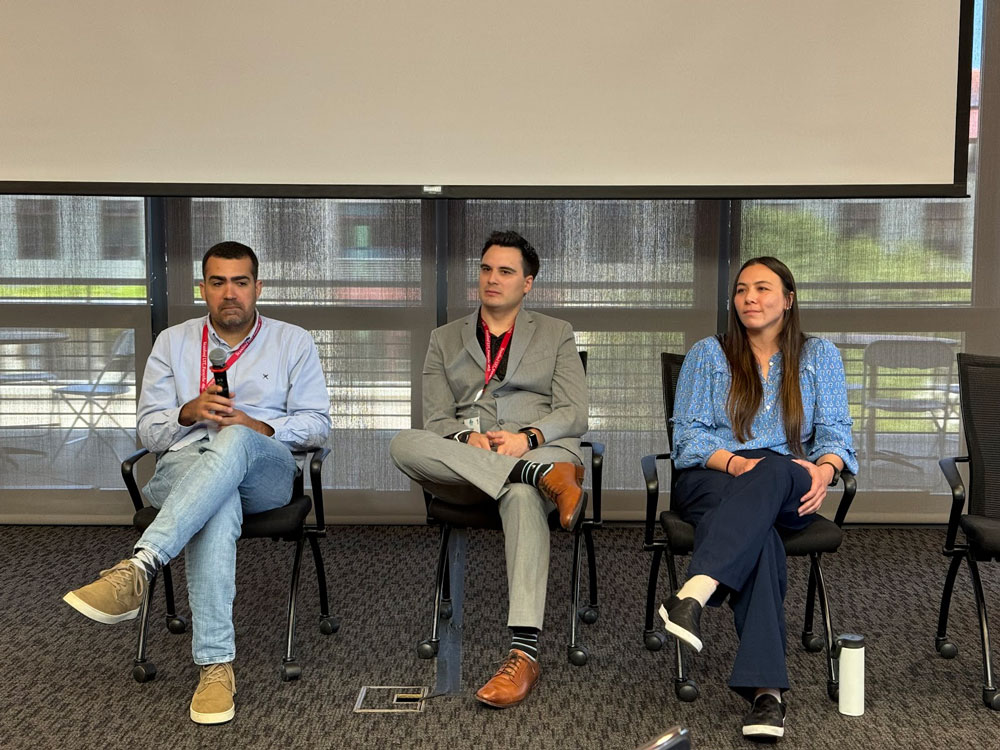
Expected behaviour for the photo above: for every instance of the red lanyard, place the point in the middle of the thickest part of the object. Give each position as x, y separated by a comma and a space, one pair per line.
491, 363
206, 372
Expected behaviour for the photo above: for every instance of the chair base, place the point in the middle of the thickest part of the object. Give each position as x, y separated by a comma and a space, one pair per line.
945, 647
444, 607
578, 655
289, 671
654, 640
684, 687
686, 690
144, 670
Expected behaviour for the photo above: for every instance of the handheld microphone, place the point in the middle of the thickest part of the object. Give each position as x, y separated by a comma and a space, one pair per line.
218, 359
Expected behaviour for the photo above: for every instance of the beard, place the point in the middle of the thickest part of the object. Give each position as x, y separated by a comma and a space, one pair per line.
232, 318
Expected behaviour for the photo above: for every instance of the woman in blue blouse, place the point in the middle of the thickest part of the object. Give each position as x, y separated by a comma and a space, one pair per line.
761, 428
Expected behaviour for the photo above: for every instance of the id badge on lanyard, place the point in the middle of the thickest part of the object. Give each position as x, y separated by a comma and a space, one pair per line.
492, 363
207, 378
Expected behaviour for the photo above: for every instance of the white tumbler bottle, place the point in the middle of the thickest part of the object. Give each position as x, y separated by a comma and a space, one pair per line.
852, 674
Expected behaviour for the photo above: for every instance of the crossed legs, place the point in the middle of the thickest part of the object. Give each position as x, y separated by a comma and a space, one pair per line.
202, 491
737, 545
463, 474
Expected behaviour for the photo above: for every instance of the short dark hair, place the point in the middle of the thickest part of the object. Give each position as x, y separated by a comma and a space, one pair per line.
230, 251
509, 238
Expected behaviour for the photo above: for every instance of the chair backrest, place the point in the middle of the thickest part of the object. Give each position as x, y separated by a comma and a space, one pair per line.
906, 354
121, 358
912, 372
670, 372
979, 384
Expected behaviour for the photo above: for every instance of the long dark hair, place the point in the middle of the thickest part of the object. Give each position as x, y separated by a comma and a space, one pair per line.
746, 392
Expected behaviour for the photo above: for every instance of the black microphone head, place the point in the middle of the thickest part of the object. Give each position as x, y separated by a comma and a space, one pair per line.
217, 357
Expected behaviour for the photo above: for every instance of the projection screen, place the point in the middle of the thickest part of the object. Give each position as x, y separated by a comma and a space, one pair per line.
468, 98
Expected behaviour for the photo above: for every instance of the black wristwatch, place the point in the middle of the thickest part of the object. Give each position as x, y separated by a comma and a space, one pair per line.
532, 437
836, 472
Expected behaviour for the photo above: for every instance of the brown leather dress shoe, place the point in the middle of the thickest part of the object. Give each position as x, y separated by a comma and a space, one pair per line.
562, 485
512, 682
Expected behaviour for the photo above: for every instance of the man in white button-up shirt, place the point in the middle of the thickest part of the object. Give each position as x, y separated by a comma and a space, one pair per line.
218, 458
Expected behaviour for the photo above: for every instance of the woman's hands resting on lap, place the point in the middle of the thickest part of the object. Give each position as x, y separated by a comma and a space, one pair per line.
820, 477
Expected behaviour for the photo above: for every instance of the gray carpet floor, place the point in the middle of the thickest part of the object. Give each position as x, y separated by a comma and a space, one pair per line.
67, 684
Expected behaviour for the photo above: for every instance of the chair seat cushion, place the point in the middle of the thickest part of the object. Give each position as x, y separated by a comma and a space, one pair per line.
484, 515
822, 535
284, 522
680, 533
983, 535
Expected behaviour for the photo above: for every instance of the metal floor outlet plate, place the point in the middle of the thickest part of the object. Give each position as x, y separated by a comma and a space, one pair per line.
390, 699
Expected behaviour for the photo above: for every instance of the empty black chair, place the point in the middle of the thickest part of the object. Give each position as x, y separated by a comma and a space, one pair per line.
486, 515
979, 383
676, 537
287, 523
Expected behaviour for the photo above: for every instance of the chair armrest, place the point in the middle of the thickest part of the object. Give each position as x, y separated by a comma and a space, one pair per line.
596, 476
128, 474
317, 457
949, 467
850, 483
649, 474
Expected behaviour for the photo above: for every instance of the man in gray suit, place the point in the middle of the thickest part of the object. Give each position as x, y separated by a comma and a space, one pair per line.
505, 404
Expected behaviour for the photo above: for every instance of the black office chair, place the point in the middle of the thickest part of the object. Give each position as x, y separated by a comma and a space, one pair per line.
979, 381
486, 515
287, 523
821, 536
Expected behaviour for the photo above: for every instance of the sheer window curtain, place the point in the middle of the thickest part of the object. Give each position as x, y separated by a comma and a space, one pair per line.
75, 320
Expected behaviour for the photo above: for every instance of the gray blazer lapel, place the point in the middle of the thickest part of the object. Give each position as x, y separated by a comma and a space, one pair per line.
471, 344
524, 330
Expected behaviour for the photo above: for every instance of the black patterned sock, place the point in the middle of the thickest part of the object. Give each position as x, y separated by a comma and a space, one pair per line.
526, 640
528, 472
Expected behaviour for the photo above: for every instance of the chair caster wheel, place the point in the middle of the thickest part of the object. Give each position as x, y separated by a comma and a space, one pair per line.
290, 671
991, 699
588, 614
654, 639
176, 624
946, 648
578, 655
144, 671
446, 610
812, 642
328, 625
427, 649
686, 690
833, 690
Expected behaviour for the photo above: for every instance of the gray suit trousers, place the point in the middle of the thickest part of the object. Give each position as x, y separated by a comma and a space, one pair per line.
461, 473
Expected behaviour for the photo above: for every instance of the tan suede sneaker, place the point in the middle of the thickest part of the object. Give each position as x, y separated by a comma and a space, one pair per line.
213, 700
115, 596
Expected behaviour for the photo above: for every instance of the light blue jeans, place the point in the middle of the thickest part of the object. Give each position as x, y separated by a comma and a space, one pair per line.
202, 491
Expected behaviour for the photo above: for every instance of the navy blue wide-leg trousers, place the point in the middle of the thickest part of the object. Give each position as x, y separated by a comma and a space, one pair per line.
737, 544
